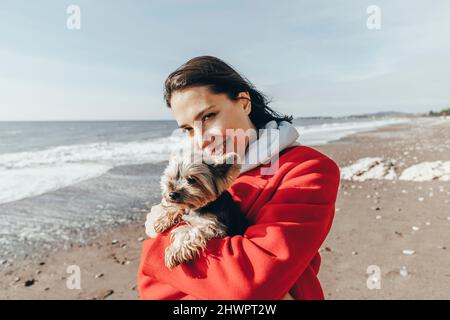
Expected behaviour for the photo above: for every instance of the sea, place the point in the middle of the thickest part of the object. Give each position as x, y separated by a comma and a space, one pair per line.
62, 183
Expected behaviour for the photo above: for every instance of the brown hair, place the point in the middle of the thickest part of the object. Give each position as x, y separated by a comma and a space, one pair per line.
220, 77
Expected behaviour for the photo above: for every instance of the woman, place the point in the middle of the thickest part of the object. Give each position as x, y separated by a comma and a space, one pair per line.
290, 209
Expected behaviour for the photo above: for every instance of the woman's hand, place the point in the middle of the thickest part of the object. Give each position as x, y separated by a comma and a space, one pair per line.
155, 212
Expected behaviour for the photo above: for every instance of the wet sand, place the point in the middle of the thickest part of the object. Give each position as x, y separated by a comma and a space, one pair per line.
375, 221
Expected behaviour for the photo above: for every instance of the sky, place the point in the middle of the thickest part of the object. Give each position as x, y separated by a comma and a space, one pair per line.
313, 58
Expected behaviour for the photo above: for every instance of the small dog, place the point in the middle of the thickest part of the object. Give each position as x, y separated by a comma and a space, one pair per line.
194, 189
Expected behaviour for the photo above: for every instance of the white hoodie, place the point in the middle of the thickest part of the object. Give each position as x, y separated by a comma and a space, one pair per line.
273, 139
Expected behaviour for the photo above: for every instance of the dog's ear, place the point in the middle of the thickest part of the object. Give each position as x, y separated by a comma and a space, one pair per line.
221, 165
225, 169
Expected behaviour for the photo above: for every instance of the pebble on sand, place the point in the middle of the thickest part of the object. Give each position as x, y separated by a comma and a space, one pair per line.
105, 294
29, 282
403, 271
408, 252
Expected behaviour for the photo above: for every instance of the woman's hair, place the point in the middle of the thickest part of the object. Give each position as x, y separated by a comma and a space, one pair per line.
220, 77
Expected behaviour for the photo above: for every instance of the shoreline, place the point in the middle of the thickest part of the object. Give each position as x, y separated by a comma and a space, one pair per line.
30, 221
109, 267
120, 196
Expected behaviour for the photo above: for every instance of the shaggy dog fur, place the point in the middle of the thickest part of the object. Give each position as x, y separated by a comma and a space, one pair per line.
194, 190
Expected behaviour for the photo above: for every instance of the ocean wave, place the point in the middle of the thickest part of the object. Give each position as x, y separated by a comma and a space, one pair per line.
29, 182
114, 154
28, 174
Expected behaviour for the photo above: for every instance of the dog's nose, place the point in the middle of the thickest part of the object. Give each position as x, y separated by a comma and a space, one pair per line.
174, 195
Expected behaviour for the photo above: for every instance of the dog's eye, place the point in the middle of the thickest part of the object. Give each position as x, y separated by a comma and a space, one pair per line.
190, 180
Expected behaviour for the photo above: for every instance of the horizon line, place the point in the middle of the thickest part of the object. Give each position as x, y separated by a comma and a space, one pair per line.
171, 119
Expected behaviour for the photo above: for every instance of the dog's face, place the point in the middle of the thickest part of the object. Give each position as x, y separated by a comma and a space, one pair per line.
192, 180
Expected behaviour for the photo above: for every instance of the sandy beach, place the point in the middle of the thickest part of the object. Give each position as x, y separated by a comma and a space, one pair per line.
399, 226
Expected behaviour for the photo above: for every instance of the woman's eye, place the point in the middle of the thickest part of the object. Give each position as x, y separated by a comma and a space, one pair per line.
187, 130
190, 180
208, 116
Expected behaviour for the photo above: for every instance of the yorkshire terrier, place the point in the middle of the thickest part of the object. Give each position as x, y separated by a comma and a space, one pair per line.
194, 190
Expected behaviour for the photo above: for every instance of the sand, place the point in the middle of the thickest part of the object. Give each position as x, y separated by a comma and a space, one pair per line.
399, 228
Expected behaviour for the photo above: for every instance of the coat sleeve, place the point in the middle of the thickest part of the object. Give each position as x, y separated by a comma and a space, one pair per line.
267, 260
152, 289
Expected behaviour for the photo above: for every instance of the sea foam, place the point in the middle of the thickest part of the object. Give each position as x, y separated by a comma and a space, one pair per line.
27, 174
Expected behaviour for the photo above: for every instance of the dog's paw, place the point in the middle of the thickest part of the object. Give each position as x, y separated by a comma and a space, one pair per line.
186, 244
218, 231
175, 256
161, 224
172, 258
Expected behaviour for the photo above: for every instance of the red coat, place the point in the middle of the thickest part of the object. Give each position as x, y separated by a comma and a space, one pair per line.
290, 213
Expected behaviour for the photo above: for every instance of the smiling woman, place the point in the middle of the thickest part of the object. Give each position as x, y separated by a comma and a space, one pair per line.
290, 210
208, 98
221, 124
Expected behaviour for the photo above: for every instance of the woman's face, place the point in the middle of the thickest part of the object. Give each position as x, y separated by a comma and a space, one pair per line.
205, 117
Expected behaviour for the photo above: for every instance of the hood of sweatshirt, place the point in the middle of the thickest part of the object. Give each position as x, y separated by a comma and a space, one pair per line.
272, 139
